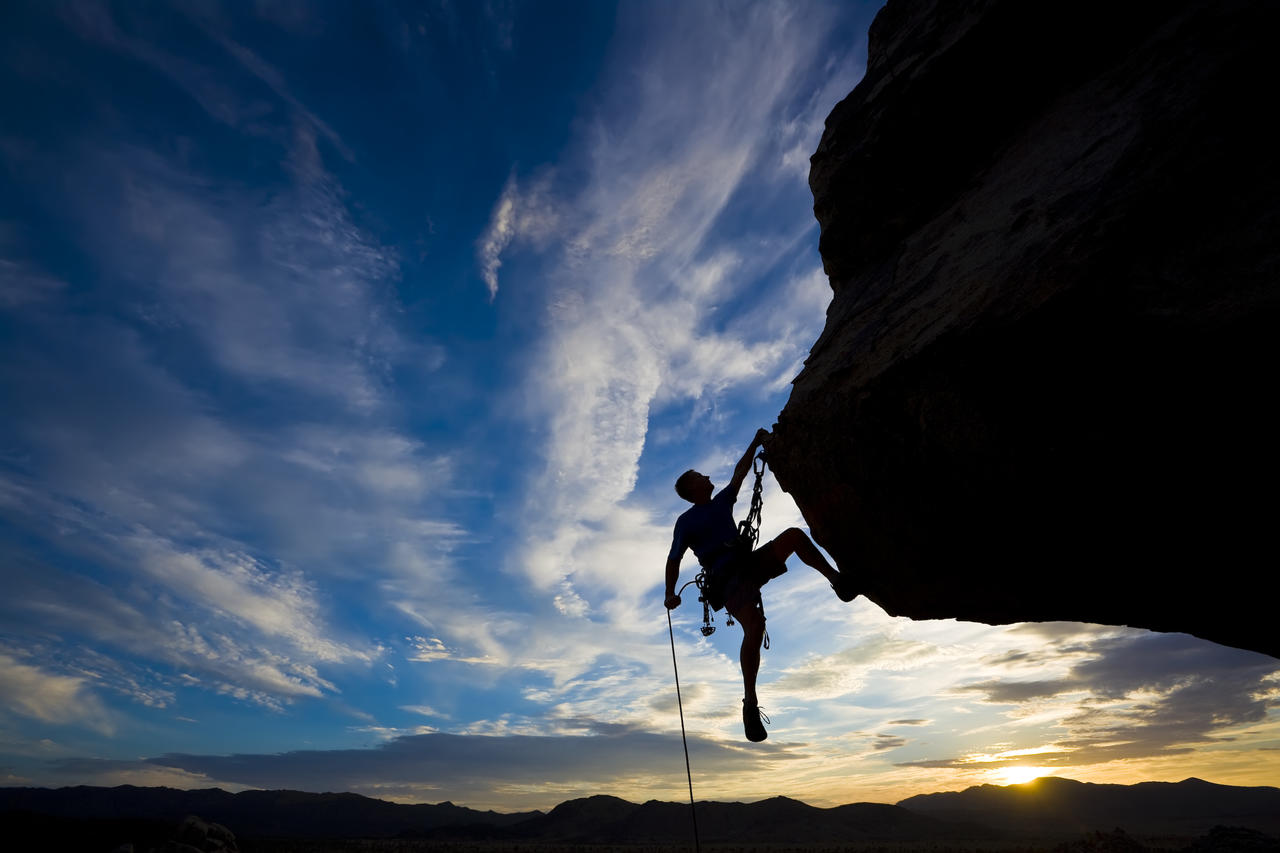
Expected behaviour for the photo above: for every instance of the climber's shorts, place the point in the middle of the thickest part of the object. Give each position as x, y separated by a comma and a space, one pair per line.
737, 581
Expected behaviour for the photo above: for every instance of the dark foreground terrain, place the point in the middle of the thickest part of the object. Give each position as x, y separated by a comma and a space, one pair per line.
137, 836
1050, 814
1086, 844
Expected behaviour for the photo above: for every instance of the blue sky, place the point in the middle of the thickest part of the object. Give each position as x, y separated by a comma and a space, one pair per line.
349, 354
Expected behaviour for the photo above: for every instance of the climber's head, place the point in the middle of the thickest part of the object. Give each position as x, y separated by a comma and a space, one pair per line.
694, 487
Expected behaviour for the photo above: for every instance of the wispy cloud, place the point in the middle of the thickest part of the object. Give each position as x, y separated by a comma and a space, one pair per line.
497, 237
427, 649
424, 710
842, 673
49, 697
222, 443
521, 215
275, 604
22, 286
191, 646
207, 84
647, 306
283, 291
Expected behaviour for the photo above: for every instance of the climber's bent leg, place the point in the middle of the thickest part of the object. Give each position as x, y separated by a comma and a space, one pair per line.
793, 540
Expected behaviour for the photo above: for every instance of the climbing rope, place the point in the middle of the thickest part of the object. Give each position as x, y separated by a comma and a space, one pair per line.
748, 534
683, 738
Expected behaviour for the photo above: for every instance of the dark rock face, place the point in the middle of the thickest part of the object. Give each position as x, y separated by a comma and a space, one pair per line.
1045, 387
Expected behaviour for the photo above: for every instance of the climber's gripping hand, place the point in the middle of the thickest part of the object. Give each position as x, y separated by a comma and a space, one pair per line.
673, 601
758, 443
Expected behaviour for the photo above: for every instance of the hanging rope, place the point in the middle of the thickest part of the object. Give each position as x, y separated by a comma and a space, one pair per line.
683, 738
749, 534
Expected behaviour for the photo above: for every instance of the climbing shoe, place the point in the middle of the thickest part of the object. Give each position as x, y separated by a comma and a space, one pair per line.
844, 587
751, 721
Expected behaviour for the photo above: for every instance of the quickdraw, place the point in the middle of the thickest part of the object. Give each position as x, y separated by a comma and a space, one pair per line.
749, 527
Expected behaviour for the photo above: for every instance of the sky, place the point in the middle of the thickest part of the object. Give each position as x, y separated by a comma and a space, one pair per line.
348, 354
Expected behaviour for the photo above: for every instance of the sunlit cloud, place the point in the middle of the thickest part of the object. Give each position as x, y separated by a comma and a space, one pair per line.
497, 238
424, 710
1132, 696
34, 692
427, 649
110, 773
521, 214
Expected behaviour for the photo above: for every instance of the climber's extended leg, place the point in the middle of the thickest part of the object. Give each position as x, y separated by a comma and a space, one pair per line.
750, 615
793, 540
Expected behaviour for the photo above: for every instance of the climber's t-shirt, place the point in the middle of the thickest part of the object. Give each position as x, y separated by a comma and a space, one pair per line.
706, 528
731, 572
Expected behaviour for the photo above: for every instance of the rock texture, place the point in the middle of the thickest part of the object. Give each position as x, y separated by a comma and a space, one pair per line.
1045, 390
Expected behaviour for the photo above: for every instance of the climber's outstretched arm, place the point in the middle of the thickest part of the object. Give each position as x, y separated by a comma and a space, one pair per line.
673, 576
743, 467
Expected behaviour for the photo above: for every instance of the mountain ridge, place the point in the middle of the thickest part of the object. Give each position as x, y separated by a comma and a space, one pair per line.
1056, 805
1048, 807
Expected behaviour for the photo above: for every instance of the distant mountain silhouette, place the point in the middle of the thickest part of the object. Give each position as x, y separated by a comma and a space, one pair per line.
1050, 808
1055, 806
599, 819
609, 820
254, 813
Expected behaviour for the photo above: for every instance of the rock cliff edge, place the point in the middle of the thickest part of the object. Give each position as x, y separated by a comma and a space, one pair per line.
1045, 389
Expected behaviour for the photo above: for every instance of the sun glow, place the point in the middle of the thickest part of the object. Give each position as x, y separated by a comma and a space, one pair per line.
1018, 775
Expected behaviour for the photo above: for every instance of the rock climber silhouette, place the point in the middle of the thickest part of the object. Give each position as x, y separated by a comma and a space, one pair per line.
735, 575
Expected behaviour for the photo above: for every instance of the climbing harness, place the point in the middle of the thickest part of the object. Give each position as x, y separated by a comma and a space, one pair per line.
748, 536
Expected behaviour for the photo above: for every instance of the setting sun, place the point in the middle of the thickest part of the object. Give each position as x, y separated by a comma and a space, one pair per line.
1018, 775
